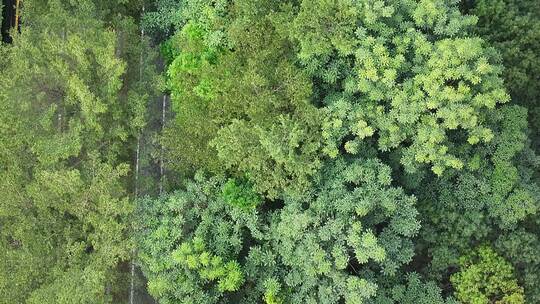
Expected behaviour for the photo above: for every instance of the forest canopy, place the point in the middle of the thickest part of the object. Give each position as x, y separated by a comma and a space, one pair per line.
270, 151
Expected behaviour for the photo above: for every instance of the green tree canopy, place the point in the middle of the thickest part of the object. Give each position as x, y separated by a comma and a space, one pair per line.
68, 112
486, 277
316, 151
405, 73
513, 28
325, 247
240, 101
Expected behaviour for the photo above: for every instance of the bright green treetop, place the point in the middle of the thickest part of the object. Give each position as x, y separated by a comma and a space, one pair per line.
485, 277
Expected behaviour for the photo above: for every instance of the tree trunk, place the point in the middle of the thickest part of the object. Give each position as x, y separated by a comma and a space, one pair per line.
17, 14
132, 285
161, 165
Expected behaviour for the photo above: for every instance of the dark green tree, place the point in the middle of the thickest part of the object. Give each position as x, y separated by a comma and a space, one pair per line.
513, 28
412, 291
240, 101
494, 200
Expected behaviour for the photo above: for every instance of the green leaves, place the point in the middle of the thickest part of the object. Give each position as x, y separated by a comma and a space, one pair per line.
412, 291
194, 237
324, 110
333, 236
353, 223
73, 109
271, 294
485, 277
243, 105
407, 82
328, 130
209, 267
326, 25
513, 28
240, 194
366, 247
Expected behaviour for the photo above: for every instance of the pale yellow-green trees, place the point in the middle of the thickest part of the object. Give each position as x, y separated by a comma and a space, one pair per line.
69, 113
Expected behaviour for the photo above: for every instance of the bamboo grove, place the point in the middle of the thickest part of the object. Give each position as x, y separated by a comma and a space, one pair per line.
270, 151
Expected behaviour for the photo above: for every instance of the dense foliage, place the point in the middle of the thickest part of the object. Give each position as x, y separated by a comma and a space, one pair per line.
513, 27
302, 151
486, 278
70, 107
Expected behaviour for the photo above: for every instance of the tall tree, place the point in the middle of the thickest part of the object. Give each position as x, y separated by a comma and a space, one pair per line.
406, 74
